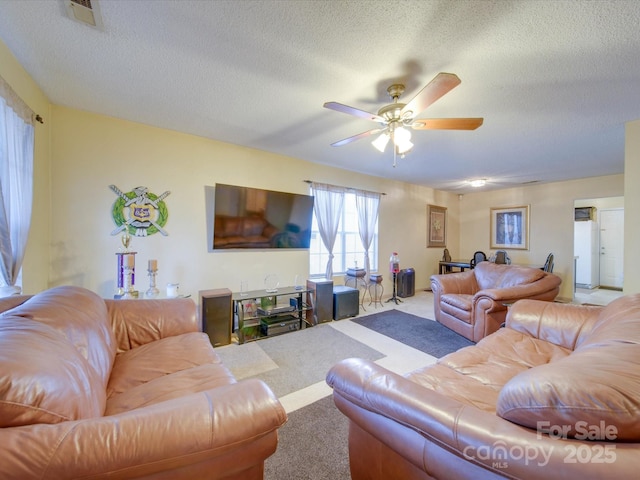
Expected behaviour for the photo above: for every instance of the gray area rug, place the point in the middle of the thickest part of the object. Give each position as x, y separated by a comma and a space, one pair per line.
312, 445
420, 333
295, 360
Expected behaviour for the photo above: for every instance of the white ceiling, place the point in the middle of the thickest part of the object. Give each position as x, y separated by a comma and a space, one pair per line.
554, 80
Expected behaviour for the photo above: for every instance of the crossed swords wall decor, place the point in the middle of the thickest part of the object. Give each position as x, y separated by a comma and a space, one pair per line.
140, 212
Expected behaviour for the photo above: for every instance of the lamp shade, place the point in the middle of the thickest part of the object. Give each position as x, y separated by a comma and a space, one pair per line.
404, 147
381, 142
402, 139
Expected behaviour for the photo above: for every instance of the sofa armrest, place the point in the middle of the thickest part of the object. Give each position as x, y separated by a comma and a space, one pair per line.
562, 324
406, 416
163, 437
138, 322
545, 288
412, 420
458, 282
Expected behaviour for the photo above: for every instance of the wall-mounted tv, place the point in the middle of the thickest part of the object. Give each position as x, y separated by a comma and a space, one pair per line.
250, 218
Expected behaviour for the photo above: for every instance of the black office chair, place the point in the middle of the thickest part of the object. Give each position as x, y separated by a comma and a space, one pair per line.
477, 258
501, 256
548, 265
446, 257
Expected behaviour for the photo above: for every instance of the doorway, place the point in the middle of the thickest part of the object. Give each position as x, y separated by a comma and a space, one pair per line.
611, 248
600, 265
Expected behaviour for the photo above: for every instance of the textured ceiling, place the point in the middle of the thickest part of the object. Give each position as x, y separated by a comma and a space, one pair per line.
554, 80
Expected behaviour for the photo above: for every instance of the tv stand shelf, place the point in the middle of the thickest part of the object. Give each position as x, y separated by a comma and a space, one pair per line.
258, 313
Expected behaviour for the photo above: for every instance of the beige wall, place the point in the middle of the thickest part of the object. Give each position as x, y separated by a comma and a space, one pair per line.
551, 220
90, 152
78, 155
632, 205
34, 268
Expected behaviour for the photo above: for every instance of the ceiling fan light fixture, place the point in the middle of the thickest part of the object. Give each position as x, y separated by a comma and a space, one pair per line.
380, 143
402, 140
480, 182
401, 136
404, 147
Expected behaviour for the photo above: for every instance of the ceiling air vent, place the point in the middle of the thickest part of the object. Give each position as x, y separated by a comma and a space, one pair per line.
84, 11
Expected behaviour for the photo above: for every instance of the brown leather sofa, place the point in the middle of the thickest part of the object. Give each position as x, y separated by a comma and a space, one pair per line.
242, 232
94, 388
555, 394
474, 303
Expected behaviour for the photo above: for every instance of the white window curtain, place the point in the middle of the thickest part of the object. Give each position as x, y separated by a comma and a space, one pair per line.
16, 185
327, 207
367, 204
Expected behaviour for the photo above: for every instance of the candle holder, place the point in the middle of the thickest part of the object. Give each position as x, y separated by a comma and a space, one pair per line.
152, 292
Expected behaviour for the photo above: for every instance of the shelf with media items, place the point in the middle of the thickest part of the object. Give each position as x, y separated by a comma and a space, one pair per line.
261, 313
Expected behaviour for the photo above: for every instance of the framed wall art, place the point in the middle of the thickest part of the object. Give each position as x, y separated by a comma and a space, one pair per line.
436, 226
510, 228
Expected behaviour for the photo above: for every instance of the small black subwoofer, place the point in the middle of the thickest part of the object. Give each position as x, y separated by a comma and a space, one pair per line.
345, 302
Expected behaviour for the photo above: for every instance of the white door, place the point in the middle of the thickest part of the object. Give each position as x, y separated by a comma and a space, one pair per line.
611, 248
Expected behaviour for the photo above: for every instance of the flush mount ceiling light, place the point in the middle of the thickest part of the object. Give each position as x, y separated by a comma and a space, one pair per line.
480, 182
397, 118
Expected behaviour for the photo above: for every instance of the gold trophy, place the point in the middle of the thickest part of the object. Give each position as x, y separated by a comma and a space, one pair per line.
126, 239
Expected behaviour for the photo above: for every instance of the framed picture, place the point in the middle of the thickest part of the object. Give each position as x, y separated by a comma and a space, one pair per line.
510, 228
436, 226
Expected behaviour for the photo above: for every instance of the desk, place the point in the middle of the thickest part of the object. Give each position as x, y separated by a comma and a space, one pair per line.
445, 267
461, 264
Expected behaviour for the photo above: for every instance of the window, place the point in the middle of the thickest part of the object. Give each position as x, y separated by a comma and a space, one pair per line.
16, 186
348, 248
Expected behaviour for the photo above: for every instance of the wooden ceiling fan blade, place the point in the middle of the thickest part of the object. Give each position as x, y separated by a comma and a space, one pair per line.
357, 137
339, 107
436, 88
447, 123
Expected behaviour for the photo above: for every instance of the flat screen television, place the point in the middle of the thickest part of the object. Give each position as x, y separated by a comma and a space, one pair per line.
252, 218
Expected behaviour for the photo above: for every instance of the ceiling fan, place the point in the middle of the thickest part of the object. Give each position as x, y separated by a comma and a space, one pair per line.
395, 118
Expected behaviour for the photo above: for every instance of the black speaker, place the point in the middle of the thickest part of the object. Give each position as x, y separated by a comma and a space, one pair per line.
345, 302
406, 283
216, 315
320, 299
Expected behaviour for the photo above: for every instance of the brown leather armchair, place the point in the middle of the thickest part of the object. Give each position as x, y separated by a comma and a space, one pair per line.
93, 388
474, 303
554, 394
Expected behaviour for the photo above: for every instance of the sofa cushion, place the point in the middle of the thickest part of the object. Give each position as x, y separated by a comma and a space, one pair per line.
167, 387
43, 378
598, 382
81, 317
168, 355
492, 275
475, 375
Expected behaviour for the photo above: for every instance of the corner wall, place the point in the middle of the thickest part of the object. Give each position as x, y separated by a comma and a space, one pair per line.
551, 221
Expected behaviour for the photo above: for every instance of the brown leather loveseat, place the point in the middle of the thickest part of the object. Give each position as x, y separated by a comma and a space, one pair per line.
94, 388
474, 303
554, 394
